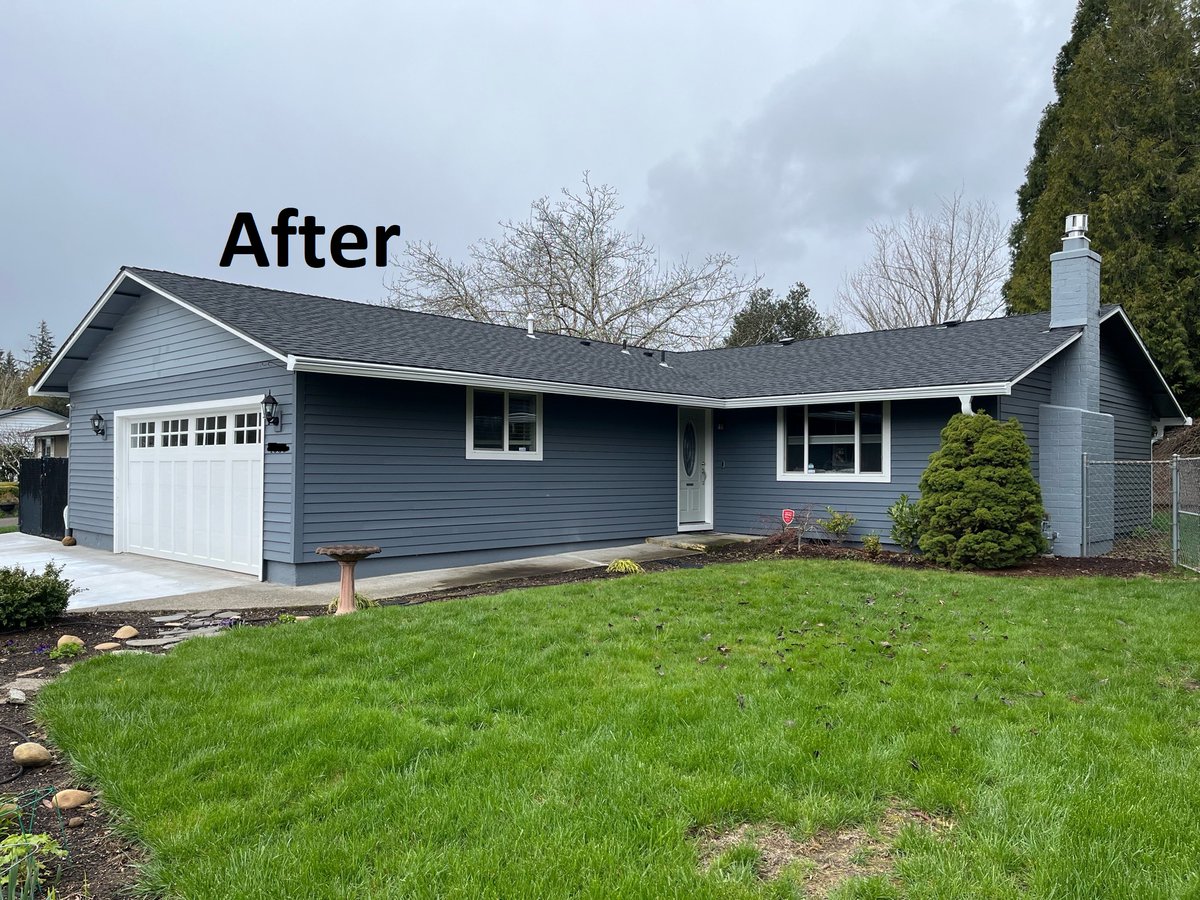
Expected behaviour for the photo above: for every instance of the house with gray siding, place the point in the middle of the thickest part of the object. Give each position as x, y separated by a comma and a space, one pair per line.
240, 427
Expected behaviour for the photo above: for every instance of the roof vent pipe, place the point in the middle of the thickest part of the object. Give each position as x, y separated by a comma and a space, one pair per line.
529, 324
662, 359
625, 347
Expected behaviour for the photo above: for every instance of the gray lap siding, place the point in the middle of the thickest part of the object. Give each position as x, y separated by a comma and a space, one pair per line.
160, 354
748, 497
385, 462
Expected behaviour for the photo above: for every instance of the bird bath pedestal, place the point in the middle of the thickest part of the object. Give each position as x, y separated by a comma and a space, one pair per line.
347, 555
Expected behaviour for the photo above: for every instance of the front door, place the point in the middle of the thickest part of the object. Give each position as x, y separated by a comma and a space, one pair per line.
694, 445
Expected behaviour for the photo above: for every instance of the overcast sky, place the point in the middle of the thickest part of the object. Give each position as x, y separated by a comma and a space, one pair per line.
132, 132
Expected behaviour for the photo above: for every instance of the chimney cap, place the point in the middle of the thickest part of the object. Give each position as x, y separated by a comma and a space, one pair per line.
1077, 226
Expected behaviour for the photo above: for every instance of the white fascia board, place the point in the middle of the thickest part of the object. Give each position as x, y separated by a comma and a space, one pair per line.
98, 306
1049, 356
202, 314
473, 379
36, 389
1183, 417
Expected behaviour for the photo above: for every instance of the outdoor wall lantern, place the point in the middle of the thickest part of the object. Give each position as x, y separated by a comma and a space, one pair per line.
98, 423
270, 408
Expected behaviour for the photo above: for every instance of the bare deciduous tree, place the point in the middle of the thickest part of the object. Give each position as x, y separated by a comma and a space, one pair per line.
931, 268
579, 275
14, 447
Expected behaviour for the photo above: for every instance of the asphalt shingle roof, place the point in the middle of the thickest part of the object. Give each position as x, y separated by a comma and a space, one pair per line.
973, 352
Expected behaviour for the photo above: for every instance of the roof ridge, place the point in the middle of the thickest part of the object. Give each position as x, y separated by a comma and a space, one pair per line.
398, 309
849, 334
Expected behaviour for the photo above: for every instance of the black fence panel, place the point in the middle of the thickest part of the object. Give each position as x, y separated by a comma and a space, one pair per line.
43, 486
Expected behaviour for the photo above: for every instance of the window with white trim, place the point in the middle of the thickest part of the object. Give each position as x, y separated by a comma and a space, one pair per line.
174, 432
141, 434
835, 442
210, 430
246, 428
503, 424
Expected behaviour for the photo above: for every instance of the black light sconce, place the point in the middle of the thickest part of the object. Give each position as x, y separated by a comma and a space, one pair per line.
270, 410
98, 424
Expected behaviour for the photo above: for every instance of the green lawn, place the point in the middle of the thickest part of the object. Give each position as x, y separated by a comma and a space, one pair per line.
7, 529
569, 741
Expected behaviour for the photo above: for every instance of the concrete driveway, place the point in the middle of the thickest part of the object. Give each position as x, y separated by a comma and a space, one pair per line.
111, 578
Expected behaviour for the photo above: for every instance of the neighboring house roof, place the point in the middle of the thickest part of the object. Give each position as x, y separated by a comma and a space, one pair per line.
58, 429
311, 333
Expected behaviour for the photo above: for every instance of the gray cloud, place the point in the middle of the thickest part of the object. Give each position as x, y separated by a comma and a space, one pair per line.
927, 100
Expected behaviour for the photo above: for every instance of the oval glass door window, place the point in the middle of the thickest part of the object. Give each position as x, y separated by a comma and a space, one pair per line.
689, 449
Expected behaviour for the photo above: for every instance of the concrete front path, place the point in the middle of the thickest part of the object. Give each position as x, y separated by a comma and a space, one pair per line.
129, 581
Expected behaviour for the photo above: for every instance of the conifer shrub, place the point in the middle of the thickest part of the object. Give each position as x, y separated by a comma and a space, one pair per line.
980, 506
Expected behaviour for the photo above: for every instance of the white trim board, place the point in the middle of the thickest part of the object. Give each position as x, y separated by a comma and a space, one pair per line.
503, 382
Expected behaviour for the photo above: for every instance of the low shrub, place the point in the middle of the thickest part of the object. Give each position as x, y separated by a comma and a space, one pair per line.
906, 524
67, 651
625, 567
28, 599
838, 525
872, 545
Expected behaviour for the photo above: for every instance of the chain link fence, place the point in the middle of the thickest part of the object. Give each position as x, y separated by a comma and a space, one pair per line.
1145, 510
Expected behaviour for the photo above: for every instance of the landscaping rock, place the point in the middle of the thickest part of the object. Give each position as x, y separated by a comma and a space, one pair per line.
125, 632
71, 799
128, 652
69, 639
31, 755
303, 618
107, 645
28, 685
16, 697
151, 642
75, 822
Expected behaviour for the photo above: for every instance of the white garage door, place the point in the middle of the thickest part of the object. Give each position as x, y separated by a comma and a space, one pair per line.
189, 484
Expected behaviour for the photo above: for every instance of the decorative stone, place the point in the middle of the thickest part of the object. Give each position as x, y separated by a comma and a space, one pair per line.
69, 639
75, 822
16, 696
107, 645
28, 685
71, 799
129, 652
31, 755
68, 541
303, 618
151, 642
125, 632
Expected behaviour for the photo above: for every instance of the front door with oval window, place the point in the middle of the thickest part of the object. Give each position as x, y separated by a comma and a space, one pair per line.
693, 470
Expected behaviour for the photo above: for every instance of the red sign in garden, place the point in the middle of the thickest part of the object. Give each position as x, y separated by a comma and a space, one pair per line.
789, 516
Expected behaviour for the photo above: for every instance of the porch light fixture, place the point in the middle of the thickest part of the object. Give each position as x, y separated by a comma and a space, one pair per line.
270, 409
98, 423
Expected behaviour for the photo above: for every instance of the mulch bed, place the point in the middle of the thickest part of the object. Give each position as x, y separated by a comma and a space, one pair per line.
103, 863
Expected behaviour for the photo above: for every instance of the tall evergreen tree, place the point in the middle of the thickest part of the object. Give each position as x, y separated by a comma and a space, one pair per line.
41, 351
767, 318
1122, 143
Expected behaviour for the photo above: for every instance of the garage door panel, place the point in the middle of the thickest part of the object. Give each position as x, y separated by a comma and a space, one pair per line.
198, 496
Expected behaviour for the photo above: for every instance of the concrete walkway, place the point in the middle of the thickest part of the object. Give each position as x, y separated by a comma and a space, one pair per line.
129, 581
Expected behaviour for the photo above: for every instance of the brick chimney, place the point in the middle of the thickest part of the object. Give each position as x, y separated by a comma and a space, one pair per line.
1075, 303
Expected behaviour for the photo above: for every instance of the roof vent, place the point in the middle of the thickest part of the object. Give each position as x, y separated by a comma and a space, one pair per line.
625, 348
586, 343
529, 325
950, 323
787, 340
648, 353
